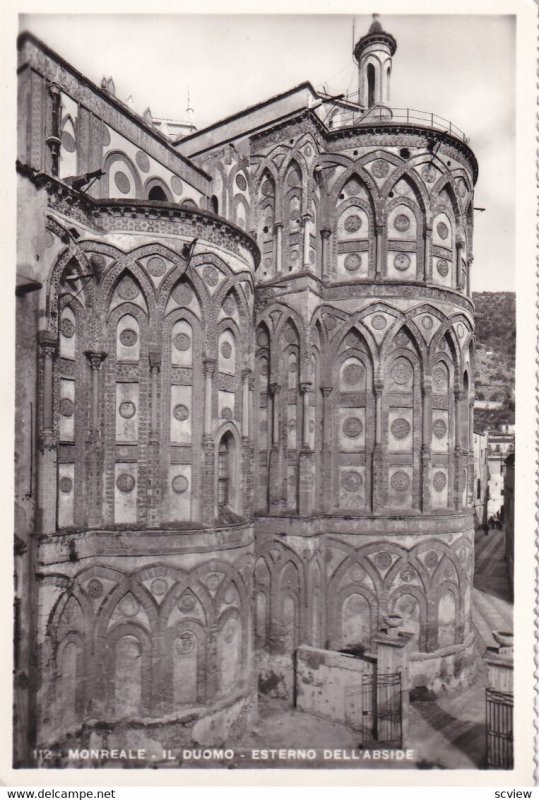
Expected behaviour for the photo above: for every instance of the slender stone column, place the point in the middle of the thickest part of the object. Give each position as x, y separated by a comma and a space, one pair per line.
209, 369
457, 500
426, 454
47, 476
427, 255
460, 272
379, 251
245, 416
154, 482
154, 355
94, 450
378, 452
274, 390
326, 448
325, 233
278, 229
305, 389
306, 219
276, 492
208, 469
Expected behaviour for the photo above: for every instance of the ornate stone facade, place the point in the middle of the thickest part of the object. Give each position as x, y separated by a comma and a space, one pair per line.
253, 404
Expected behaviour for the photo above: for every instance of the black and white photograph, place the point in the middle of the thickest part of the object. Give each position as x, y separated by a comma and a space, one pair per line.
265, 394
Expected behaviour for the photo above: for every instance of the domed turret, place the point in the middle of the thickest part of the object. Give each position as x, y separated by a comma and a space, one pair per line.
373, 54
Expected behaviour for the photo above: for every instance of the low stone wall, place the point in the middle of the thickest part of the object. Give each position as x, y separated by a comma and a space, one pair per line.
329, 685
449, 668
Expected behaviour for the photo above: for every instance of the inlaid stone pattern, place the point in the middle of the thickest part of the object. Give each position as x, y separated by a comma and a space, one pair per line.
402, 222
400, 428
352, 427
380, 168
400, 481
352, 262
401, 262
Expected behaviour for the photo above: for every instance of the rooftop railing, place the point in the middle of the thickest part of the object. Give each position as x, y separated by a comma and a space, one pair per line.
390, 116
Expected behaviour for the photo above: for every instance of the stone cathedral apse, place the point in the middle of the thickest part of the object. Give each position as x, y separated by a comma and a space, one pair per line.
245, 371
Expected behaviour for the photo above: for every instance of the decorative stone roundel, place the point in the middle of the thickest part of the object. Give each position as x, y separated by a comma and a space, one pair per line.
158, 587
125, 483
226, 349
98, 261
241, 183
180, 484
401, 339
143, 162
128, 337
293, 366
95, 588
438, 378
176, 184
443, 230
229, 306
211, 276
129, 606
383, 560
184, 644
187, 602
380, 169
352, 262
226, 413
181, 341
182, 294
400, 428
127, 410
353, 373
294, 255
352, 223
460, 330
461, 186
439, 428
128, 289
427, 323
267, 188
68, 142
431, 559
123, 184
268, 262
439, 481
262, 339
331, 322
351, 481
401, 372
443, 267
400, 481
379, 322
401, 262
290, 334
49, 239
67, 328
352, 427
156, 266
67, 408
66, 485
407, 575
180, 412
402, 222
429, 173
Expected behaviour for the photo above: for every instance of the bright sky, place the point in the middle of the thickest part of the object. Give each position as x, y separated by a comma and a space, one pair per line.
460, 67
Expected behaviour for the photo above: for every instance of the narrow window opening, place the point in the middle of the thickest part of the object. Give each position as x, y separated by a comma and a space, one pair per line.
371, 79
223, 475
157, 193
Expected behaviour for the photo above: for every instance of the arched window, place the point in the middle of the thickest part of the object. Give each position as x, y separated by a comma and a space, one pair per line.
371, 79
214, 204
479, 488
157, 193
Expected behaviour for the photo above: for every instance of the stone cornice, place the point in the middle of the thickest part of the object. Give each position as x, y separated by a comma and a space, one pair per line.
97, 214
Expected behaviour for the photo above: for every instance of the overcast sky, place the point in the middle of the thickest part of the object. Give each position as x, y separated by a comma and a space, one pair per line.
460, 67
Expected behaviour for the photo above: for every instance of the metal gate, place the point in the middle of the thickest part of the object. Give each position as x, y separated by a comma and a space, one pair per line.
382, 710
499, 729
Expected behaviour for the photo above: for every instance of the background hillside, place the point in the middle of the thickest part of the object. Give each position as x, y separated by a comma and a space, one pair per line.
495, 357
